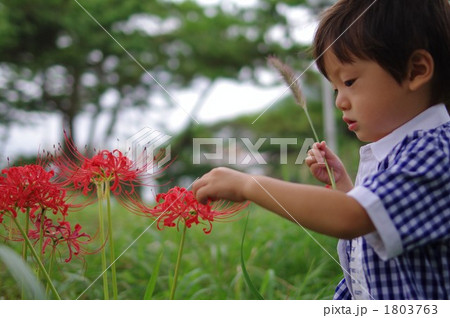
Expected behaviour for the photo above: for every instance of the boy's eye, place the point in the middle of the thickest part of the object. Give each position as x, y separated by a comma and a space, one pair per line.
349, 82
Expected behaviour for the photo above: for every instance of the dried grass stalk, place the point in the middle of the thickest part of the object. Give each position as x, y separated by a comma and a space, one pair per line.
292, 81
289, 78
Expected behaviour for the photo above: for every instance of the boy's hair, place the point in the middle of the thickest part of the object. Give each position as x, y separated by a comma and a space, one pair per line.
388, 33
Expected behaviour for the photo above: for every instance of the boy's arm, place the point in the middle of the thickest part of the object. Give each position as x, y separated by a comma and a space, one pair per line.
322, 210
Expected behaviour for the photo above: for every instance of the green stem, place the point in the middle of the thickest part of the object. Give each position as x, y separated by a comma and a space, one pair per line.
27, 227
316, 137
41, 238
41, 232
10, 234
50, 268
38, 260
102, 239
330, 174
111, 241
177, 265
24, 247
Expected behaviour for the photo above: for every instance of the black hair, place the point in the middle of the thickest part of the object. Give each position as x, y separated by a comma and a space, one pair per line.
388, 32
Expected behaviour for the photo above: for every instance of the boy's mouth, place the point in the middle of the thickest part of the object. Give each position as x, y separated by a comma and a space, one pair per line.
352, 124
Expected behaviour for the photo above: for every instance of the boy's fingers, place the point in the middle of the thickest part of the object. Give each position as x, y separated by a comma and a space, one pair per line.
318, 155
323, 144
201, 196
199, 184
326, 152
195, 187
200, 191
309, 160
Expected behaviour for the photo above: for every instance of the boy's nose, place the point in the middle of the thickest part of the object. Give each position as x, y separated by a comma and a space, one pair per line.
342, 103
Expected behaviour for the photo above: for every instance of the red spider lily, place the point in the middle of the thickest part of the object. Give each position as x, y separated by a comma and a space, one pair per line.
106, 166
8, 209
6, 203
30, 188
73, 239
179, 204
61, 233
107, 171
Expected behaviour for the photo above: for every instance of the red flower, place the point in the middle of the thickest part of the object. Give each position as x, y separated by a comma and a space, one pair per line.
48, 232
6, 200
106, 167
179, 204
30, 188
72, 238
61, 233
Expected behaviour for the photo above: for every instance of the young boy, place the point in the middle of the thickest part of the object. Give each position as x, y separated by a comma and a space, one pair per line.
388, 63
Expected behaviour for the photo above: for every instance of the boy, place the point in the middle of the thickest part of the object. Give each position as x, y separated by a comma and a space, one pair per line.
388, 63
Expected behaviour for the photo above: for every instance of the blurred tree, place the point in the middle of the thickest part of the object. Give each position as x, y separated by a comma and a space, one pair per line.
96, 56
283, 120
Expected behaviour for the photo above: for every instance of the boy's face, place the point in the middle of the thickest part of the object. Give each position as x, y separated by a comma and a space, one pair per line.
372, 101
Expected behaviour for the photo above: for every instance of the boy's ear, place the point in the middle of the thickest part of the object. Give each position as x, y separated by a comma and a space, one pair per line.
420, 69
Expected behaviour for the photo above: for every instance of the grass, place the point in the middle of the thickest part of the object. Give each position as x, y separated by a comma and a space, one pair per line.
283, 261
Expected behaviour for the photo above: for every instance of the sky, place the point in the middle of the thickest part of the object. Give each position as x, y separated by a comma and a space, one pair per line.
227, 99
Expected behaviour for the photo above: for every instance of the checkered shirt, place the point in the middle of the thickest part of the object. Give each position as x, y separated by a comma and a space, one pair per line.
408, 200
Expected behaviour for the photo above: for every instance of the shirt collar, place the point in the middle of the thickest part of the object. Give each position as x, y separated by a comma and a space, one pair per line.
432, 117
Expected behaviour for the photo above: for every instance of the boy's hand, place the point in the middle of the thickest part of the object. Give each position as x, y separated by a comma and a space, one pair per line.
316, 164
221, 183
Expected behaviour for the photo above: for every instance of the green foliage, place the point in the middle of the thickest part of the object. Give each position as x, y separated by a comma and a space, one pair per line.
283, 261
247, 278
153, 278
22, 274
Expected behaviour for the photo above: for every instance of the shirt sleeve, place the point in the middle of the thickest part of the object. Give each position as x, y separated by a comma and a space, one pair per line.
342, 292
408, 198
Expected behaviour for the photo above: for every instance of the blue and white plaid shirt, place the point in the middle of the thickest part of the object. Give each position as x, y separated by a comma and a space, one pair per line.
407, 196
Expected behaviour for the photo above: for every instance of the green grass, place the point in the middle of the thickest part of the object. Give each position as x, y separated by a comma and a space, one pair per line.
283, 261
